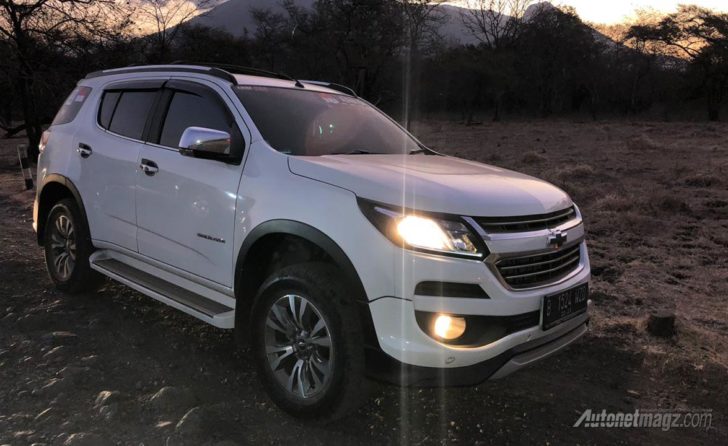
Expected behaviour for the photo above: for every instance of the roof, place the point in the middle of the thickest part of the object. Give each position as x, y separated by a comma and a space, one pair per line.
233, 74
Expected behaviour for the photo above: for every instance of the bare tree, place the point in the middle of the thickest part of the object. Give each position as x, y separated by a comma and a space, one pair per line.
166, 18
495, 23
421, 22
33, 27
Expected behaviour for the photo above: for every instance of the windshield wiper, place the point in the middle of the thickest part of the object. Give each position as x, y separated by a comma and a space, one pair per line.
356, 152
424, 150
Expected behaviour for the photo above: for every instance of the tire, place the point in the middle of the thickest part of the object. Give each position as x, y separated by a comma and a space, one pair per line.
301, 374
67, 244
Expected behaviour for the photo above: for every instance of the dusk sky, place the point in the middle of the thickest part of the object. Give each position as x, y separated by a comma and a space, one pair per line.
615, 11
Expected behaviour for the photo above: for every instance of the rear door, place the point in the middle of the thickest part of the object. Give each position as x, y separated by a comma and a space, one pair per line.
109, 149
186, 209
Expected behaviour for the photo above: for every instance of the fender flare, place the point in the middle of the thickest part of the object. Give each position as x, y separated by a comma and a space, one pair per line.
308, 233
68, 184
330, 247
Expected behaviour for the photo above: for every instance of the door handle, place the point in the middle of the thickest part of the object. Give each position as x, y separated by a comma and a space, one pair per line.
84, 150
149, 167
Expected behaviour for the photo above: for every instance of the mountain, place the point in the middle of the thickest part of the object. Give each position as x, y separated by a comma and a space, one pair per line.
235, 17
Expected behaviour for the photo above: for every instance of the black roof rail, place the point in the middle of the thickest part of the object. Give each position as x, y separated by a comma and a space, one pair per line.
238, 69
212, 71
338, 87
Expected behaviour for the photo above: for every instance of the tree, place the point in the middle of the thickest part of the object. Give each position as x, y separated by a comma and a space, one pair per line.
34, 28
495, 23
556, 57
701, 36
165, 18
421, 21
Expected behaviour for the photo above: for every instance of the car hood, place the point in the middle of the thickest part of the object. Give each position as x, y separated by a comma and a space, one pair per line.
435, 183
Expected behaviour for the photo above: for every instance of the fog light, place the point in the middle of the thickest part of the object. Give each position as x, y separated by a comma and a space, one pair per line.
449, 327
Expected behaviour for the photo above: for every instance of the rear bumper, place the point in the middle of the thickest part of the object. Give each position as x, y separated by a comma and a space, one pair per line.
383, 367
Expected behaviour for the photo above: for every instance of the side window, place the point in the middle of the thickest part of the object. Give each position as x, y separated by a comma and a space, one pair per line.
190, 110
131, 113
108, 105
71, 107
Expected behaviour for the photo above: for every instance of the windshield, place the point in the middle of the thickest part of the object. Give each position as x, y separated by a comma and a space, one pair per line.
305, 122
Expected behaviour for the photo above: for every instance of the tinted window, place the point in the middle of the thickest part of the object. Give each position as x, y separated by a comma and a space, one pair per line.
71, 107
108, 104
131, 113
190, 110
307, 122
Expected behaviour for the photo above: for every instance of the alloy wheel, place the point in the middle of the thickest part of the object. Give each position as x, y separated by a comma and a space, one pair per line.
63, 246
298, 346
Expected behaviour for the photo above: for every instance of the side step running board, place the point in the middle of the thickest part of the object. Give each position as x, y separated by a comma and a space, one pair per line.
173, 295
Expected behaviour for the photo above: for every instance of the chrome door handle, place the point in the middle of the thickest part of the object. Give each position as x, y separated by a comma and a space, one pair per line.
84, 150
149, 167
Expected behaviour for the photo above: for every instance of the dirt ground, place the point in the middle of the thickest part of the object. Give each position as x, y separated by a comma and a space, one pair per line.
115, 367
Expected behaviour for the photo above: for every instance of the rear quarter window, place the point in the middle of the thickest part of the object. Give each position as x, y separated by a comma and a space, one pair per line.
72, 105
108, 105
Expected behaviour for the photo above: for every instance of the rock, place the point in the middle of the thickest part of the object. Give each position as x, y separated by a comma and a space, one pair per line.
109, 412
60, 338
90, 360
106, 397
107, 404
45, 415
55, 354
172, 399
75, 374
661, 324
52, 387
191, 423
86, 439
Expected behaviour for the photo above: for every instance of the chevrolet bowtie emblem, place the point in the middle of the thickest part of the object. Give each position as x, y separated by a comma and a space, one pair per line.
557, 239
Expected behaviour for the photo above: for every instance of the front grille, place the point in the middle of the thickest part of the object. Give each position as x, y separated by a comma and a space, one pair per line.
539, 269
526, 223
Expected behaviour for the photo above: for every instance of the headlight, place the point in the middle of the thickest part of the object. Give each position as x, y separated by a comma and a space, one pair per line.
422, 232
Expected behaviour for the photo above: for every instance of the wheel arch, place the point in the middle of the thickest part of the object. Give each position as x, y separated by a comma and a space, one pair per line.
265, 235
55, 188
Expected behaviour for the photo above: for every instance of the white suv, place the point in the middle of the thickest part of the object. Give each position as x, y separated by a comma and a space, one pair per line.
337, 245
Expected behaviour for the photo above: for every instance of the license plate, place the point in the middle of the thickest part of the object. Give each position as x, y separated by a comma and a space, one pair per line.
559, 308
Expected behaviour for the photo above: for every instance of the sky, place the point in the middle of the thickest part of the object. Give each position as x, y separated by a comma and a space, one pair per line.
615, 11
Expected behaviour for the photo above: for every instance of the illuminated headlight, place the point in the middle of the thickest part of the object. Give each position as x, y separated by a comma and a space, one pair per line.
422, 232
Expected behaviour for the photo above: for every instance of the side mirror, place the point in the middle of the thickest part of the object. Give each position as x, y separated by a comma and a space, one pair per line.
201, 142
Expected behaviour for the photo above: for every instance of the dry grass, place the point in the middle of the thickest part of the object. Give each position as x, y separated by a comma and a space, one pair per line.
702, 180
656, 209
642, 143
533, 158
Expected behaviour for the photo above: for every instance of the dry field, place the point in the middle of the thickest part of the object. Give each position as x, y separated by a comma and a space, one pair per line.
115, 367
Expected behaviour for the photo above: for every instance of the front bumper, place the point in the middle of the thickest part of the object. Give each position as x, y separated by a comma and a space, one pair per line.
430, 362
385, 368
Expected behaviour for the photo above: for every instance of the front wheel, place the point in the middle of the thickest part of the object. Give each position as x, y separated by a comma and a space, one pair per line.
307, 342
68, 246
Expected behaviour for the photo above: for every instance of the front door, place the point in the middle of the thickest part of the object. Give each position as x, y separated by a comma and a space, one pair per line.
186, 209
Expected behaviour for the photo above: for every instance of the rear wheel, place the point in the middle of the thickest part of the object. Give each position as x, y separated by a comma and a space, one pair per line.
67, 249
307, 342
